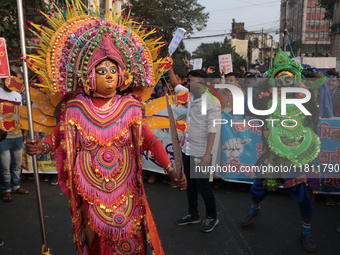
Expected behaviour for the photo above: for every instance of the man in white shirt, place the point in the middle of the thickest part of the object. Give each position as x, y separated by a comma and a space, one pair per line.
11, 150
197, 147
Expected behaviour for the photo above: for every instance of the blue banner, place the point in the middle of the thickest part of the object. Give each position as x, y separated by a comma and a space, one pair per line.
241, 146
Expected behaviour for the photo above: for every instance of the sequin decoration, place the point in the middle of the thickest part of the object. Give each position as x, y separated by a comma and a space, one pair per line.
108, 157
109, 185
119, 219
87, 144
127, 247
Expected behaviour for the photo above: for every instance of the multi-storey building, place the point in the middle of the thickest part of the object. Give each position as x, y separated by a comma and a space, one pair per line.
308, 31
335, 32
261, 43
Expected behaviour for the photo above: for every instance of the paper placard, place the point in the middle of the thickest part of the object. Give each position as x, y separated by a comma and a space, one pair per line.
226, 62
198, 64
176, 40
4, 64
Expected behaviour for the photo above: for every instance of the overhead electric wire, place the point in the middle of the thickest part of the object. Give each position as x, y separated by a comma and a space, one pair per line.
225, 34
258, 4
243, 7
224, 11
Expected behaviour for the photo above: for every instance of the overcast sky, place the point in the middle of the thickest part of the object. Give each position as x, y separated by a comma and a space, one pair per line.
256, 15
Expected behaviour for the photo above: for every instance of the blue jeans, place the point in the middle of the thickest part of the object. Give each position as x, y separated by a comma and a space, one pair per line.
10, 164
199, 185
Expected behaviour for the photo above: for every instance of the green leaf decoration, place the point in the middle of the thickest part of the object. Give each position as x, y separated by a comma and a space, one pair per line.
318, 83
297, 65
281, 58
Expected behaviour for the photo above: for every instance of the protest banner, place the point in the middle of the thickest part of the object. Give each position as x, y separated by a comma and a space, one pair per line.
249, 149
198, 64
176, 40
225, 61
4, 64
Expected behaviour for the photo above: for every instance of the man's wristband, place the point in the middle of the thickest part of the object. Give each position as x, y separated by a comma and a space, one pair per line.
187, 67
46, 148
169, 168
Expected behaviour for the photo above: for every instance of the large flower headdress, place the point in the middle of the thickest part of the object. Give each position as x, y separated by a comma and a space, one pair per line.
78, 38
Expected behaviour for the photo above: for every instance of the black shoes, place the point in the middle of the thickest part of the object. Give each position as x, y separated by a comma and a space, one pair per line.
209, 225
188, 220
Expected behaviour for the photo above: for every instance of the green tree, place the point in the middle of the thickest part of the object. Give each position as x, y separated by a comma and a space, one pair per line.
169, 15
9, 27
209, 52
329, 6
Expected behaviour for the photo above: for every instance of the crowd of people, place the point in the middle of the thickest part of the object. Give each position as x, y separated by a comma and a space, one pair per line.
101, 133
199, 140
11, 145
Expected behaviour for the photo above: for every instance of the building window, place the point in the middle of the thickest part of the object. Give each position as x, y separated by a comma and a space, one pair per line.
308, 10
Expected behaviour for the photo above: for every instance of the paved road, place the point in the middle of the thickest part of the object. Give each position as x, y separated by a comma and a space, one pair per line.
275, 232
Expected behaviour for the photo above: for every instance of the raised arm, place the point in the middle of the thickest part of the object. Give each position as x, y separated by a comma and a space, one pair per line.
187, 64
173, 80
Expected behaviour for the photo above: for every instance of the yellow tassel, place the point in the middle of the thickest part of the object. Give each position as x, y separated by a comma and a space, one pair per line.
61, 16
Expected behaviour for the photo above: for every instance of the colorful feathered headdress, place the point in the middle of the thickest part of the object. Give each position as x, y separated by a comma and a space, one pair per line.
78, 38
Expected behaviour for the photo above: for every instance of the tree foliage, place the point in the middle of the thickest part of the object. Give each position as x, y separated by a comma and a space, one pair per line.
9, 27
168, 15
329, 6
209, 52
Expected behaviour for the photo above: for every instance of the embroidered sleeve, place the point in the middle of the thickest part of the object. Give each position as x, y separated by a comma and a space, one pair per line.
152, 143
53, 140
